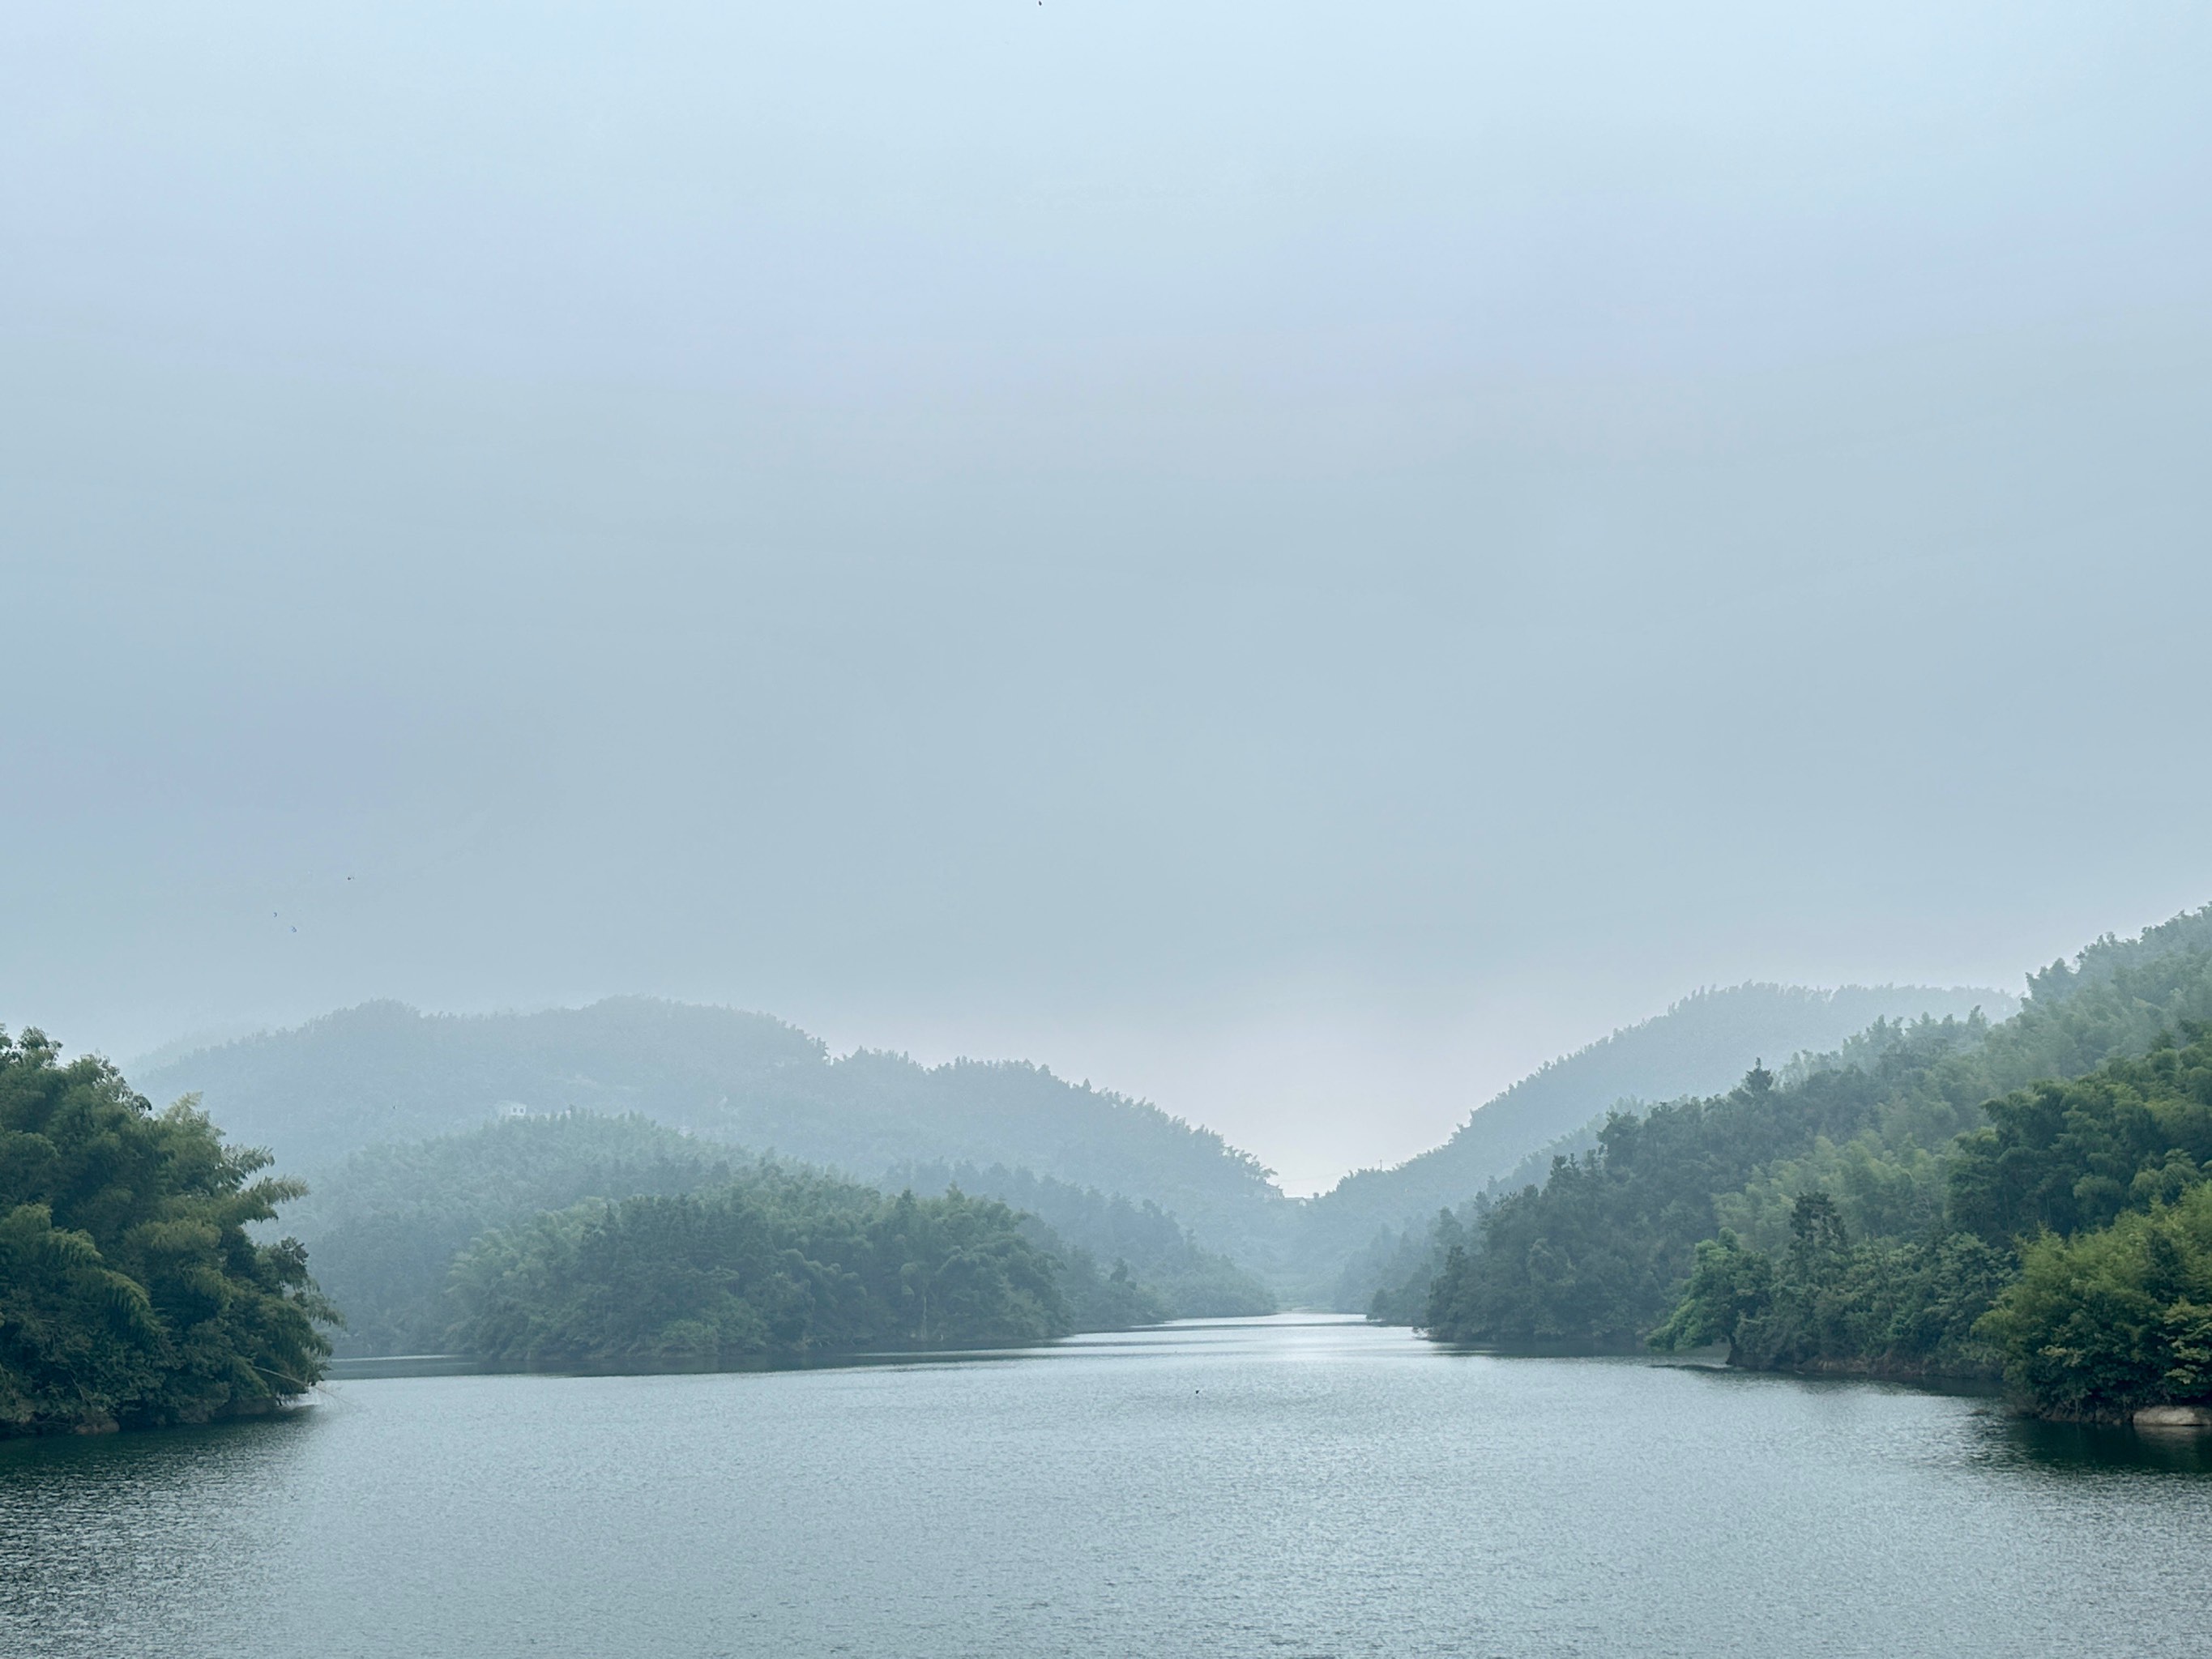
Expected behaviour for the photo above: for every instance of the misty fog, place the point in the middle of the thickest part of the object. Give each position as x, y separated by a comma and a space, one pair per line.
1058, 827
1297, 563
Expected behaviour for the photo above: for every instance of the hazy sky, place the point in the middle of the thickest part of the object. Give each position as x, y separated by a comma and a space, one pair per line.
1294, 560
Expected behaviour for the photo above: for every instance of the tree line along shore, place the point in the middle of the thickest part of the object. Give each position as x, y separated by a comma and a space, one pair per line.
134, 1291
2022, 1201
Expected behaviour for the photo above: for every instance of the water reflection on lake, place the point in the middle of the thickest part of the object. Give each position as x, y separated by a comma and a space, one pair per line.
1286, 1486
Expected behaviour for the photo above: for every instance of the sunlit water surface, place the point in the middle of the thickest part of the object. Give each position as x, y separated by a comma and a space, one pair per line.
1279, 1487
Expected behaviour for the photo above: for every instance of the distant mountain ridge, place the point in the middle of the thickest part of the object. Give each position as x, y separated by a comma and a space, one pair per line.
384, 1072
1701, 1045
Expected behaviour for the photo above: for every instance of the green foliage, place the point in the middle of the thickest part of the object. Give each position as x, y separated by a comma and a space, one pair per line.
382, 1072
1401, 1266
1107, 1299
2057, 1159
385, 1226
1892, 1177
782, 1261
2103, 1324
1597, 1253
1699, 1046
1389, 1279
1729, 1285
1601, 1249
1831, 1303
1170, 1273
130, 1290
2065, 1157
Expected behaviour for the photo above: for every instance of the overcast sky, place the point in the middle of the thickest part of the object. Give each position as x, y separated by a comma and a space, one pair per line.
1293, 560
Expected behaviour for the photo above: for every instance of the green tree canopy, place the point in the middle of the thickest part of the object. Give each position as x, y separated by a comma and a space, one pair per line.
783, 1261
2100, 1325
130, 1290
1936, 1148
383, 1228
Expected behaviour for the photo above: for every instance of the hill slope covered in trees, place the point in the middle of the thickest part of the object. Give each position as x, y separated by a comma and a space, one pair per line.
383, 1072
1866, 1210
385, 1227
1190, 1281
780, 1262
2069, 1250
1699, 1046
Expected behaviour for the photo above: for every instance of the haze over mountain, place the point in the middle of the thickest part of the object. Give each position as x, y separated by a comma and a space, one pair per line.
1289, 555
1194, 602
383, 1072
1865, 1210
1700, 1045
385, 1225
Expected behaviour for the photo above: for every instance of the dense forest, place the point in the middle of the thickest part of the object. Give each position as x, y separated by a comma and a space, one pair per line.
2069, 1253
382, 1072
139, 1284
781, 1261
1916, 1203
1150, 1246
1939, 1196
384, 1228
1364, 1233
1389, 1279
1942, 1196
131, 1291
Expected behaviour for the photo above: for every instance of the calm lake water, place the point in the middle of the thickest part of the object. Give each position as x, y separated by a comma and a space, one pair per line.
1279, 1487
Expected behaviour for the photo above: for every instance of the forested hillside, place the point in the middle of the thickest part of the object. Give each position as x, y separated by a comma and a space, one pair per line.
1699, 1046
781, 1261
2073, 1220
384, 1228
383, 1072
1867, 1210
1158, 1251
